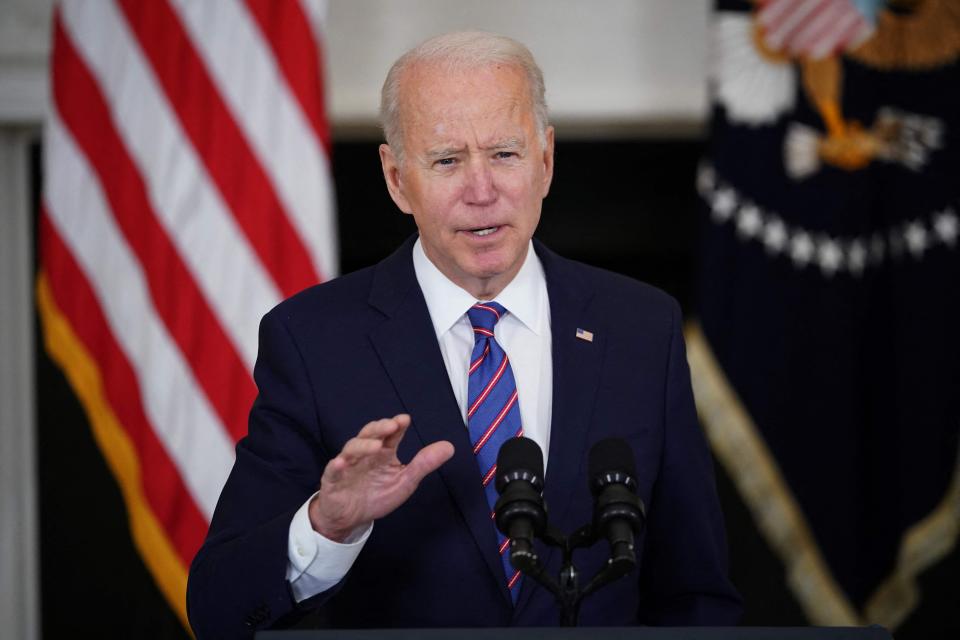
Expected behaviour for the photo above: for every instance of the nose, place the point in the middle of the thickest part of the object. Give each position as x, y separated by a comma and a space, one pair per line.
479, 188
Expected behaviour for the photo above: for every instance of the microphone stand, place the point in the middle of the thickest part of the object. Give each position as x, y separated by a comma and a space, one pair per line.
566, 589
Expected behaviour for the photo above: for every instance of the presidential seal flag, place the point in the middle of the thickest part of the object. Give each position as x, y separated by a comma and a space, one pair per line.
825, 364
187, 191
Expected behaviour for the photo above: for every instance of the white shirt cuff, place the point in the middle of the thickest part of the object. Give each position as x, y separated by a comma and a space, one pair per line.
316, 563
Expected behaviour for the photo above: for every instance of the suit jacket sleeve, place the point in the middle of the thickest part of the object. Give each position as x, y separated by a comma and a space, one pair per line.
684, 572
237, 581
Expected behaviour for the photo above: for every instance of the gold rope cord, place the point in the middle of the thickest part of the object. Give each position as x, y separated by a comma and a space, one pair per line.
741, 450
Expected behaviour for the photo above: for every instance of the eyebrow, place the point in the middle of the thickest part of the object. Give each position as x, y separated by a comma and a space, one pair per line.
508, 143
443, 152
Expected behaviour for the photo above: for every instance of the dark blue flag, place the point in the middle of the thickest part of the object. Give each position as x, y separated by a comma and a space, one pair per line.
828, 366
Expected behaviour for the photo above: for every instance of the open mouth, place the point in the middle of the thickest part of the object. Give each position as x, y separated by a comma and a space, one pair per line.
483, 232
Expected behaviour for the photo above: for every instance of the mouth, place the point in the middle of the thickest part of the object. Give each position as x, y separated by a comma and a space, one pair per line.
484, 231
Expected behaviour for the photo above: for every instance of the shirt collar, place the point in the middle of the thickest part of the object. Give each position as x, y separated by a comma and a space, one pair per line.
524, 296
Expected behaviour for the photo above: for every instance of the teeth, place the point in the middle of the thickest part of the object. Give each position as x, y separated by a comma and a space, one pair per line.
485, 232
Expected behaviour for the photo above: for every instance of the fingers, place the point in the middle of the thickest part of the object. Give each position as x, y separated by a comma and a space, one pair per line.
384, 428
372, 438
428, 460
334, 471
403, 422
357, 448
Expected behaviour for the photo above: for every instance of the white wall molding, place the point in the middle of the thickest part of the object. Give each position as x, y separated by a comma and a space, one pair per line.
19, 530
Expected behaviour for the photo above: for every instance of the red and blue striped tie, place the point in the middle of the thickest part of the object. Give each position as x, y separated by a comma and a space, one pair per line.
493, 412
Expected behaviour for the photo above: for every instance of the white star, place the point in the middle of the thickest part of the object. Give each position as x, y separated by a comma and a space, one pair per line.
801, 248
946, 227
857, 257
775, 235
916, 236
706, 179
829, 256
724, 202
749, 221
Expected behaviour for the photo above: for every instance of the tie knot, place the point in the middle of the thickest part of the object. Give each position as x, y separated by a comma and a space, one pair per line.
485, 315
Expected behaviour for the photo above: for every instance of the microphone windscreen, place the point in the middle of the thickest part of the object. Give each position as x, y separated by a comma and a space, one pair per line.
610, 456
520, 454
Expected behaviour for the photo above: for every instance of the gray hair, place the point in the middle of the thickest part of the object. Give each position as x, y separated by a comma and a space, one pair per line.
456, 51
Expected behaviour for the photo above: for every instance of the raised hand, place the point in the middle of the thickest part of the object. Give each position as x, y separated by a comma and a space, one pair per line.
366, 481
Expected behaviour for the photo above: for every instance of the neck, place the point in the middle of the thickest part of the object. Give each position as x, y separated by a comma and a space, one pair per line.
483, 289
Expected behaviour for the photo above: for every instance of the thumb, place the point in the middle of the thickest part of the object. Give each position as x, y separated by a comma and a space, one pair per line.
428, 460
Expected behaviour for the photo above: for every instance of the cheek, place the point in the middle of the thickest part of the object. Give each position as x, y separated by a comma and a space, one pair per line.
524, 192
438, 205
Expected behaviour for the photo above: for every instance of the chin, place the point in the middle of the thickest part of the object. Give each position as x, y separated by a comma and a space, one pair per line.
486, 270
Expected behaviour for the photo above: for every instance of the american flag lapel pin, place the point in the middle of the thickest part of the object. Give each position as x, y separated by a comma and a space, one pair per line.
583, 334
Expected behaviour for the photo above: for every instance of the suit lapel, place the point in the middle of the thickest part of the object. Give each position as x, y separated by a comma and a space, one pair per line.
576, 373
407, 346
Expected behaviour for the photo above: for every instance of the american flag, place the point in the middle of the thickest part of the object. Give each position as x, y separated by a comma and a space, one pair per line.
187, 191
813, 29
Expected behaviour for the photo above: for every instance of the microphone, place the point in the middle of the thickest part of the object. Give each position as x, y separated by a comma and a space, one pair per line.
619, 512
519, 512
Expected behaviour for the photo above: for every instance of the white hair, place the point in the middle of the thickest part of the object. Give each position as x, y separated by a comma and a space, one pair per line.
460, 50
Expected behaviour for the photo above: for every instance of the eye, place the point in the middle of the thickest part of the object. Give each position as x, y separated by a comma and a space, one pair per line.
505, 155
445, 162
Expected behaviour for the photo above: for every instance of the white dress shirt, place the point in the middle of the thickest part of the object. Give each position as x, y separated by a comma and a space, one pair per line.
317, 563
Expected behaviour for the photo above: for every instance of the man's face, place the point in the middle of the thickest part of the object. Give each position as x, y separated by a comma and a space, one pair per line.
474, 171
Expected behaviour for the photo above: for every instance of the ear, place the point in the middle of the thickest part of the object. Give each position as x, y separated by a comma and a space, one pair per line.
547, 160
391, 175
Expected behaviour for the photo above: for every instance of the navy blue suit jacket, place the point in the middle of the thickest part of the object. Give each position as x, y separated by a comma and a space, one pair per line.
362, 347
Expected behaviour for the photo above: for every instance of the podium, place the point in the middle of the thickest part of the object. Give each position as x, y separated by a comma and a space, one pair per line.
589, 633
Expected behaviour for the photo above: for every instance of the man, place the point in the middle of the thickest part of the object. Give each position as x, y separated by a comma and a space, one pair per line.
395, 363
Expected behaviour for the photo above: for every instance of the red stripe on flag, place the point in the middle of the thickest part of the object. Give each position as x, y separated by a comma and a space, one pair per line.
169, 499
797, 29
779, 33
814, 30
847, 35
232, 164
299, 55
176, 297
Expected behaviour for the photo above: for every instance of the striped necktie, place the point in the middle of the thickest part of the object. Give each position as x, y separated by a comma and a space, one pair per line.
493, 412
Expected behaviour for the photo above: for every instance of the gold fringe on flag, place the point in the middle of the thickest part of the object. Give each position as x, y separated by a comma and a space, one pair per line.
741, 450
81, 370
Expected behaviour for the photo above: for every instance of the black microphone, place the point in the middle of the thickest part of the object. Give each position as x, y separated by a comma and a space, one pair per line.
618, 512
519, 512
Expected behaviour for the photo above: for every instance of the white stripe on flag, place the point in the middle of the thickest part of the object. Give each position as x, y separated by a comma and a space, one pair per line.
178, 411
774, 11
814, 30
778, 33
189, 207
316, 12
244, 70
834, 37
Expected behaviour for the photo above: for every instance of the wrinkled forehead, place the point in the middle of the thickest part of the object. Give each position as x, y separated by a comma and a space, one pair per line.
432, 92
